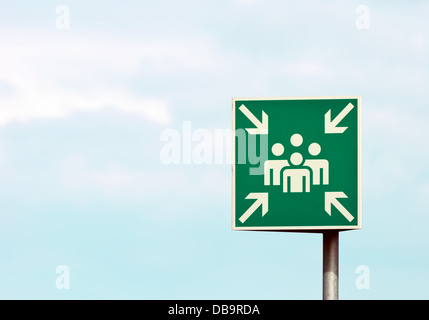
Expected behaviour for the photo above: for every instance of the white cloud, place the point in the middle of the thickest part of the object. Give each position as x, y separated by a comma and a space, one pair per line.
309, 69
54, 76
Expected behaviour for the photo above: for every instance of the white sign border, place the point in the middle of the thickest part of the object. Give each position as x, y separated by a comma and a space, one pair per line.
302, 228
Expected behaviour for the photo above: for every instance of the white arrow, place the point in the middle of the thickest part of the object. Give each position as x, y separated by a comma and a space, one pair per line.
331, 126
261, 127
331, 199
261, 199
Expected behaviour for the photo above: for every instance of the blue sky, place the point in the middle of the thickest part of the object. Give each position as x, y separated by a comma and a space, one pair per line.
82, 111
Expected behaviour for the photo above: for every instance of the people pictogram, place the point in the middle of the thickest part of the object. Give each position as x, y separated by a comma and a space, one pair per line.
274, 166
297, 174
296, 177
320, 167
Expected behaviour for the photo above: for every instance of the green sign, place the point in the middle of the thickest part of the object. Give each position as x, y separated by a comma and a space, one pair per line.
297, 163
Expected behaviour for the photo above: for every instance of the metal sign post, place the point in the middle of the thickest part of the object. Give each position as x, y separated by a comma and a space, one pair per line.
330, 265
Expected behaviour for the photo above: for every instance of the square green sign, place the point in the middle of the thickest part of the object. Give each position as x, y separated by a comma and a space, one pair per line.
296, 163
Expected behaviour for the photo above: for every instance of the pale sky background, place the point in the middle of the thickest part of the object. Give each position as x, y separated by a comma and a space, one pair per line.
81, 115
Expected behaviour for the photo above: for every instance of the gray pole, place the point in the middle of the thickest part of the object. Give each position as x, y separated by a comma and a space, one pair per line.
330, 265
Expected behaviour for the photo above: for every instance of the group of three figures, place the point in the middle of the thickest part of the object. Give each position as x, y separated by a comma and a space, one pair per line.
296, 174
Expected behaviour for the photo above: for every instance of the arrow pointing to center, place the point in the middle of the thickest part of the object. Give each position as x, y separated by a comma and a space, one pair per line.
261, 127
261, 199
331, 126
331, 200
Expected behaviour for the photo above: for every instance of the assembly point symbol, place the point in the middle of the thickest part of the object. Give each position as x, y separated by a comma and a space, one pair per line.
295, 174
295, 167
